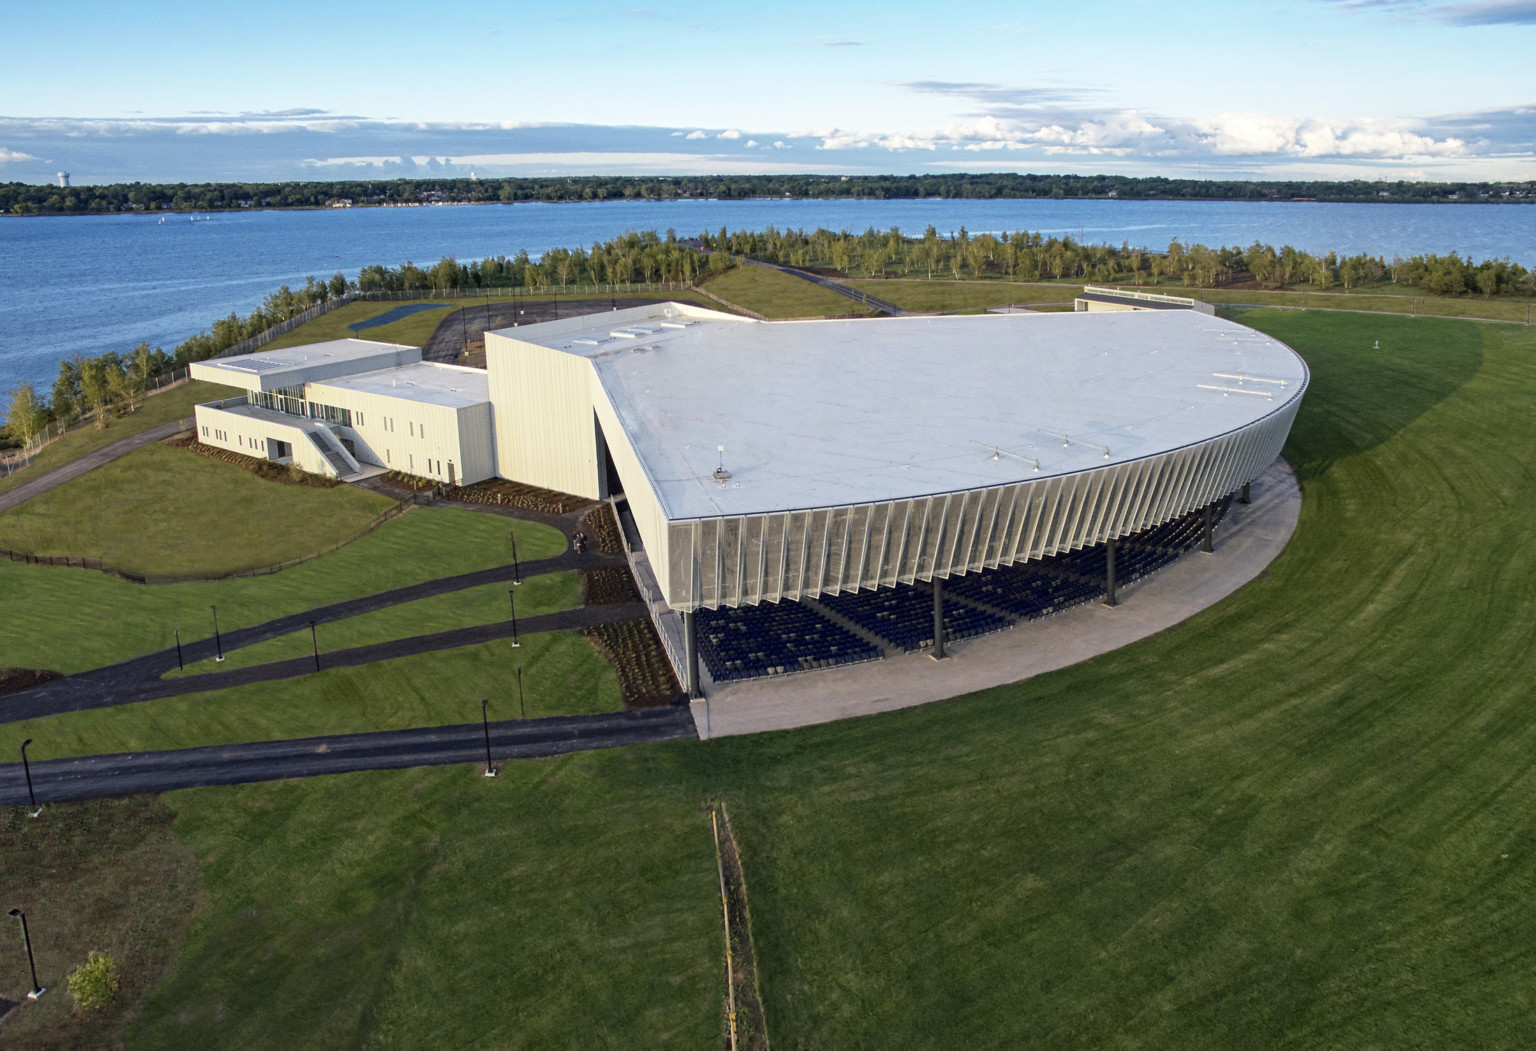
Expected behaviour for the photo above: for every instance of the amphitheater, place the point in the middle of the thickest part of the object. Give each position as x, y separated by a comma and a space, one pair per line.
834, 497
859, 500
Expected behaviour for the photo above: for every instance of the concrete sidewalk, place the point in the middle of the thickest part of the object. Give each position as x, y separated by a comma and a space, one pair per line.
1247, 541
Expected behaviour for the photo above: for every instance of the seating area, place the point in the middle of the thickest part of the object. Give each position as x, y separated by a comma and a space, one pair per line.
903, 616
1027, 591
773, 638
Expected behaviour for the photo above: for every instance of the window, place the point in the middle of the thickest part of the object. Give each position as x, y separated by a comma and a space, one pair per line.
205, 432
412, 426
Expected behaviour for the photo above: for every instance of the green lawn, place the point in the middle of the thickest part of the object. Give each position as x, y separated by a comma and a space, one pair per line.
457, 609
564, 904
168, 513
108, 875
928, 297
175, 404
413, 331
562, 675
72, 620
776, 294
1301, 818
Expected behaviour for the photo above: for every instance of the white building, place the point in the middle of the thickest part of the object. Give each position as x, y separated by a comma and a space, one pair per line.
337, 408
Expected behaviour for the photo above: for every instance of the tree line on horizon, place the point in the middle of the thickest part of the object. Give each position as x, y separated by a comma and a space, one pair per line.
20, 199
100, 387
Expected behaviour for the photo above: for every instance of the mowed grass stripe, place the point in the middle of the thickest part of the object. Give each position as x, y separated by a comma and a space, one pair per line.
563, 675
564, 904
74, 620
546, 593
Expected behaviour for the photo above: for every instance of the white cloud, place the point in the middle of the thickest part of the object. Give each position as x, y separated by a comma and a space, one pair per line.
697, 135
729, 133
15, 155
1130, 132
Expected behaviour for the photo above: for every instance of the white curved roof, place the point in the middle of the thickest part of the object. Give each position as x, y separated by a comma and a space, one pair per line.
829, 413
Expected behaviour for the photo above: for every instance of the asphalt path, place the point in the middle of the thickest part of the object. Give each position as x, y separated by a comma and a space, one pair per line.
882, 305
75, 468
88, 777
110, 687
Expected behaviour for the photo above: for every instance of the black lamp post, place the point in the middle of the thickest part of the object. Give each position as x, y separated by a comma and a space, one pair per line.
37, 990
218, 642
485, 721
315, 642
26, 768
512, 601
521, 704
517, 567
181, 665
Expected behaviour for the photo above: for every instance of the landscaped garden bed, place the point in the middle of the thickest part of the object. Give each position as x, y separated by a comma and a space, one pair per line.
645, 675
496, 492
608, 586
271, 470
602, 530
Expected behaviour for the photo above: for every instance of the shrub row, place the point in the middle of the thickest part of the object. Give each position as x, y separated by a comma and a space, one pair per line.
271, 470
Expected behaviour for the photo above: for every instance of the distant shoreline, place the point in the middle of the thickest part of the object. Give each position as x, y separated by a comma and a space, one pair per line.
20, 200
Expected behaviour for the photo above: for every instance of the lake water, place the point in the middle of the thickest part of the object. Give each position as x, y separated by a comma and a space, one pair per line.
98, 283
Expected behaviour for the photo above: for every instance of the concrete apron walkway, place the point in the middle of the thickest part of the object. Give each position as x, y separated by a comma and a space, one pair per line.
1247, 541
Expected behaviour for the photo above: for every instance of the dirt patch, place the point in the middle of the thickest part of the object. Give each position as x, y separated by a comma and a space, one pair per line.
750, 1023
271, 470
600, 527
14, 680
105, 874
645, 675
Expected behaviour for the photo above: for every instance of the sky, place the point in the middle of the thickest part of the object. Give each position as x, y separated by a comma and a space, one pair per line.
1338, 89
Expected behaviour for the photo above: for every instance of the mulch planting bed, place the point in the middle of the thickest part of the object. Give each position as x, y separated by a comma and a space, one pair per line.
645, 674
602, 530
608, 586
271, 470
13, 680
406, 482
514, 494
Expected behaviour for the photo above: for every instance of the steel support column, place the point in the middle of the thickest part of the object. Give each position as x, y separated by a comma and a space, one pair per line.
691, 654
1205, 543
938, 619
1109, 574
1245, 493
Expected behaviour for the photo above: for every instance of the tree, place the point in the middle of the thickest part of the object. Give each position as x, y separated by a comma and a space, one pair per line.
27, 414
66, 389
96, 389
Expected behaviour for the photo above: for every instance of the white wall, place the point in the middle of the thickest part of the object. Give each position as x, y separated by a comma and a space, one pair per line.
542, 407
416, 437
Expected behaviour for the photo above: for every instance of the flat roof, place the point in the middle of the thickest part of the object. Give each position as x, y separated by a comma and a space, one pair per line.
427, 382
830, 413
310, 363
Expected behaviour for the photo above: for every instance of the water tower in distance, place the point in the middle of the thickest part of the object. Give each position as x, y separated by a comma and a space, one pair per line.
63, 180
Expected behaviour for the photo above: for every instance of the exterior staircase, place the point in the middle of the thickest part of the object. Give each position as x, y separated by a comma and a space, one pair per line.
340, 460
